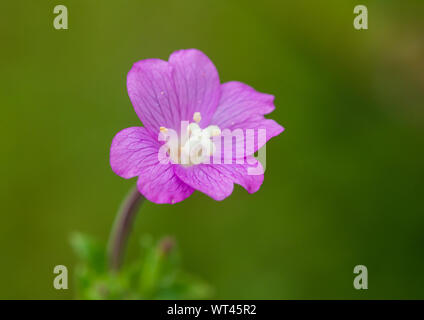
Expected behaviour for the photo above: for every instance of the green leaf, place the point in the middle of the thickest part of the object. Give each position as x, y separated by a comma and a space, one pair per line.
91, 252
156, 274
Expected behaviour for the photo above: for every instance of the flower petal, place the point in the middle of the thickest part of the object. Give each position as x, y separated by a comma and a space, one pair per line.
134, 152
159, 184
197, 84
152, 93
217, 180
242, 107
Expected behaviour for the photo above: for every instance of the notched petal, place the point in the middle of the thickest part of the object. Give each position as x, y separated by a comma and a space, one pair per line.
197, 84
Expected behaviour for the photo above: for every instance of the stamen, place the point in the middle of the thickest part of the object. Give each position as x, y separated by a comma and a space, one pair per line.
193, 128
195, 146
197, 117
215, 132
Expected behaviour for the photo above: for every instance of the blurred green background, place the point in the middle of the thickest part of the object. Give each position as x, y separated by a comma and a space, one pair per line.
344, 182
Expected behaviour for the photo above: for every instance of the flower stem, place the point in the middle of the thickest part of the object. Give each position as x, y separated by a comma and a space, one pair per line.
122, 228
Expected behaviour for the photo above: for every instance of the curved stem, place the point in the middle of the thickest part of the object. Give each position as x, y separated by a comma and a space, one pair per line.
122, 228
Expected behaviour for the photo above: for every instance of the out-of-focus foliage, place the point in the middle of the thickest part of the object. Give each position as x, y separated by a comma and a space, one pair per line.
156, 274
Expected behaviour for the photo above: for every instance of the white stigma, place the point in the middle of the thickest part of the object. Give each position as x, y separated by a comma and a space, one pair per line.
195, 146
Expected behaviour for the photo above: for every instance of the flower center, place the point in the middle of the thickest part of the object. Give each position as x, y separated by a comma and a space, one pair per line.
195, 146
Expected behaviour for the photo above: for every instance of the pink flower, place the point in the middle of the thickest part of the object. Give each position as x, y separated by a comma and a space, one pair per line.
186, 90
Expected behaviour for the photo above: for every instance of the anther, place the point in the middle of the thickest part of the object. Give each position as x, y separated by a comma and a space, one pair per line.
197, 117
